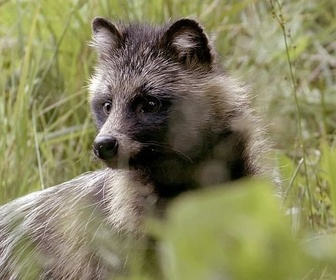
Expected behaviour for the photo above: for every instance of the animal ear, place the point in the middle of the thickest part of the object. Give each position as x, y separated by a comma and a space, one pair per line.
106, 36
187, 42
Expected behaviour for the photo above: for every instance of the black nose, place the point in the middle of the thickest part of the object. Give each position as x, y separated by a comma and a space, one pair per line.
105, 147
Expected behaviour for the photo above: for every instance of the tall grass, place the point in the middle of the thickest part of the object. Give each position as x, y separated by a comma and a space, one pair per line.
286, 51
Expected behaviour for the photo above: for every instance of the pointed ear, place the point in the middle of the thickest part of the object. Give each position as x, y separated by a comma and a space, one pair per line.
105, 36
187, 42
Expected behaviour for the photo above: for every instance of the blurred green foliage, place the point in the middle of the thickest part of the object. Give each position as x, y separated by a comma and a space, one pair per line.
239, 233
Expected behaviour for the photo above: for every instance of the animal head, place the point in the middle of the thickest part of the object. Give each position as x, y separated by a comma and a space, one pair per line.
162, 103
145, 93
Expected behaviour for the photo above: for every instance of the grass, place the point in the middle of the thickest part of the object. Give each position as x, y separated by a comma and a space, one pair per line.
284, 50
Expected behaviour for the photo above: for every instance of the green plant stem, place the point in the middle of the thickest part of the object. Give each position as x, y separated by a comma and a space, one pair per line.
280, 19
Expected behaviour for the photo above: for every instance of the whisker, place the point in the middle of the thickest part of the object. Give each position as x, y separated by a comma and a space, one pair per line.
160, 145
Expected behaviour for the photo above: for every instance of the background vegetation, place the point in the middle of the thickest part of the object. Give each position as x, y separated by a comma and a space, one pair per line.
285, 50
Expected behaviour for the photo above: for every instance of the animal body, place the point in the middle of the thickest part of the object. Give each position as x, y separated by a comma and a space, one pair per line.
169, 120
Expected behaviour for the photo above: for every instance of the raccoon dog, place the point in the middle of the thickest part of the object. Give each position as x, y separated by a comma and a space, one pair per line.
170, 120
164, 106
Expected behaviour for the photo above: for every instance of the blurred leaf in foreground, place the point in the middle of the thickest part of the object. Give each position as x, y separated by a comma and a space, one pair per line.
232, 233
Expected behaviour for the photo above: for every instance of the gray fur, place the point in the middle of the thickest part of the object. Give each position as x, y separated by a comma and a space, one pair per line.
204, 133
209, 125
62, 232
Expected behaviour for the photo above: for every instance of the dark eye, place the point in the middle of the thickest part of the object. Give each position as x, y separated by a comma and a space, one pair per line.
149, 105
107, 106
